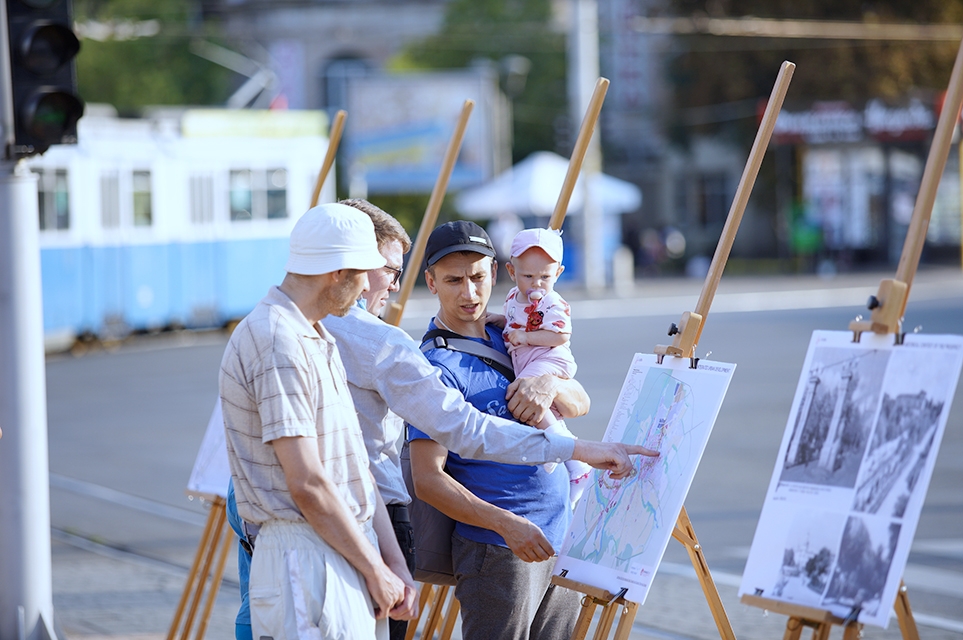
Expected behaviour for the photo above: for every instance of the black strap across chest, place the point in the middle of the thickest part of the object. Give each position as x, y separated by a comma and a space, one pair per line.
444, 339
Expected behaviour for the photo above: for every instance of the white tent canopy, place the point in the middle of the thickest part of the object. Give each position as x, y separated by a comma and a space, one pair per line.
532, 187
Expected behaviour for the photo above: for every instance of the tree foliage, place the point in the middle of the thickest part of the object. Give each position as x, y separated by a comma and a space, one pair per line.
708, 70
818, 566
491, 30
155, 70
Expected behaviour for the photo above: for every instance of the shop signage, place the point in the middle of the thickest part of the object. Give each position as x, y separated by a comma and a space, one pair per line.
836, 122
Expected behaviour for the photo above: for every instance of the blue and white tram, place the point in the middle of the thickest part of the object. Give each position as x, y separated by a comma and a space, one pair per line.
174, 220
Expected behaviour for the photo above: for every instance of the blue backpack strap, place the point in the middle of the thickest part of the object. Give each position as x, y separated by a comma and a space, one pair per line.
443, 339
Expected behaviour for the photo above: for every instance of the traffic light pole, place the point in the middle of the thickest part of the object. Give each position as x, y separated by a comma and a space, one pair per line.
26, 585
26, 588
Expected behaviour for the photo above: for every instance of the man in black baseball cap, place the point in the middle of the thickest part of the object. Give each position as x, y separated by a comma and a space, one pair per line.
511, 516
460, 235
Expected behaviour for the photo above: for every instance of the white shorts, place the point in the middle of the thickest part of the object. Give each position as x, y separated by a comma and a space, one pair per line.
302, 589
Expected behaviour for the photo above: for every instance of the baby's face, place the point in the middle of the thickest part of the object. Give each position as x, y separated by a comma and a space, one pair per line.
534, 271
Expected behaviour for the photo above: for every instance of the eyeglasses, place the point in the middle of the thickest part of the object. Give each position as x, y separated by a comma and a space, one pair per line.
397, 273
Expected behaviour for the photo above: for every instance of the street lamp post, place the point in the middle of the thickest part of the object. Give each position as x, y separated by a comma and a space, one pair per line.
583, 72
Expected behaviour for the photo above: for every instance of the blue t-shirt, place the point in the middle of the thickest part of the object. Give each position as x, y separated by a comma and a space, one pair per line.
527, 491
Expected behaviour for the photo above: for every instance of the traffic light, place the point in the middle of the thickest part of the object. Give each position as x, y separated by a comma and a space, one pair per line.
43, 89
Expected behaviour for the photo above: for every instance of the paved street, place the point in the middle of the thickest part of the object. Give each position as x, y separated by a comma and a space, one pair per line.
125, 426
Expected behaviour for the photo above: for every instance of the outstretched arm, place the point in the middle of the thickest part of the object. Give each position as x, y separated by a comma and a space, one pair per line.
611, 456
414, 389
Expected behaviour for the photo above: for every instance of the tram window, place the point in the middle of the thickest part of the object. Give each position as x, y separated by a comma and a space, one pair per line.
277, 193
241, 197
110, 200
143, 216
256, 195
202, 199
53, 199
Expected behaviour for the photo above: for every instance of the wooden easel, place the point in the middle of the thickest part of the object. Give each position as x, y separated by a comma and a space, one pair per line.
214, 543
334, 139
687, 335
585, 131
889, 303
396, 309
887, 309
438, 619
822, 621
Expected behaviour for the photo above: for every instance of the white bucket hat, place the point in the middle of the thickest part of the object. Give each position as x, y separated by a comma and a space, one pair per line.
330, 237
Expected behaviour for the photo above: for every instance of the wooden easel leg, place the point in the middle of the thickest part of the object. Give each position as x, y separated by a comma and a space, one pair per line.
453, 608
215, 581
423, 598
853, 631
606, 620
217, 509
220, 518
584, 618
434, 612
691, 542
904, 615
625, 622
794, 627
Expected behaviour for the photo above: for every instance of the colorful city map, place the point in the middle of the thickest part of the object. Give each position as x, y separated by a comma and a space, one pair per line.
621, 527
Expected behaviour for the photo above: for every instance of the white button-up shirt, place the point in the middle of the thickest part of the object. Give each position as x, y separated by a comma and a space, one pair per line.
386, 368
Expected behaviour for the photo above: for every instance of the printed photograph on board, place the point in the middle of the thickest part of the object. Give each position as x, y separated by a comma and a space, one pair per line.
865, 556
914, 398
809, 555
835, 418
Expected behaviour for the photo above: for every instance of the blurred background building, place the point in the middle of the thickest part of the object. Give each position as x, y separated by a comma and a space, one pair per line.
689, 81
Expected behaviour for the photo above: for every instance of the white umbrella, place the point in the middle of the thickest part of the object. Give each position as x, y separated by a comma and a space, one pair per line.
532, 186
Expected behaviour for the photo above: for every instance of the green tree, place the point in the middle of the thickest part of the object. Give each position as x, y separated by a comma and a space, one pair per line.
492, 30
153, 70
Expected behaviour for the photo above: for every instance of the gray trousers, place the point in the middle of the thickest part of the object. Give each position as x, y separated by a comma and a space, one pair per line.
505, 598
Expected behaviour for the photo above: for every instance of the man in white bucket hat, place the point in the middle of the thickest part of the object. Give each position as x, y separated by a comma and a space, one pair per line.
296, 452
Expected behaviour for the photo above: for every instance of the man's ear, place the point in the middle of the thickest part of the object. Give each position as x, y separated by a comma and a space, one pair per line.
494, 270
430, 281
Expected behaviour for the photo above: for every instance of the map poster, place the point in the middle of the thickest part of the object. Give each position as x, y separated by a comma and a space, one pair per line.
621, 527
852, 472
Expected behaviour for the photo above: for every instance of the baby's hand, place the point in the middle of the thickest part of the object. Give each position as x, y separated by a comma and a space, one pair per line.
518, 338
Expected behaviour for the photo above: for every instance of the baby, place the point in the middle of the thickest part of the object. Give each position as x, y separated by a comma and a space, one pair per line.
538, 325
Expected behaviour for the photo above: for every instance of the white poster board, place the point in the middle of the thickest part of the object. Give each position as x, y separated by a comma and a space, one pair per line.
211, 471
621, 527
852, 472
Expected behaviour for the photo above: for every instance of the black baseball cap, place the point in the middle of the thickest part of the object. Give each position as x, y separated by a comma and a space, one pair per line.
460, 235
